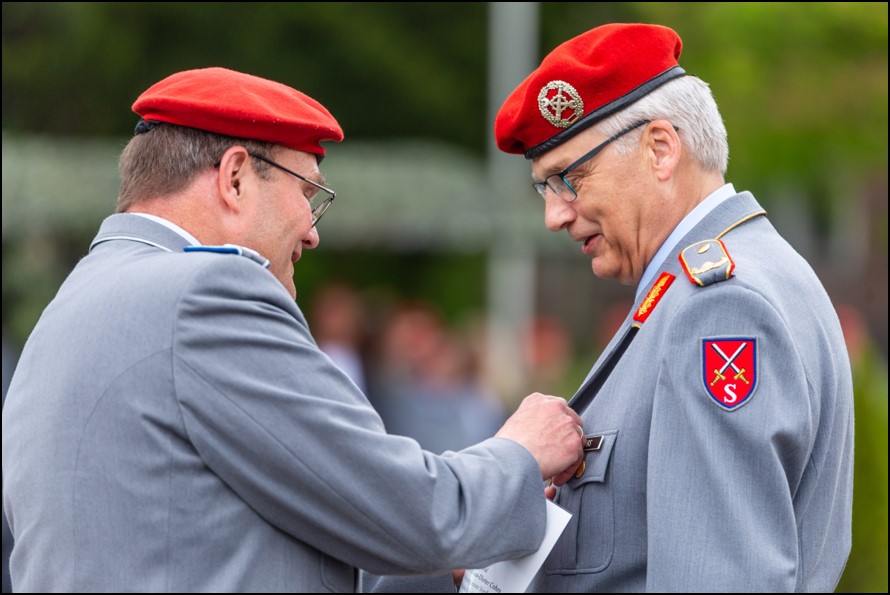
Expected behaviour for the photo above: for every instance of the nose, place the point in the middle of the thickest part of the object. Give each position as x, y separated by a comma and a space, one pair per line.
557, 212
311, 240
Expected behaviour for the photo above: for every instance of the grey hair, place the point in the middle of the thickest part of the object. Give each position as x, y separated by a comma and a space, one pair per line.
165, 159
688, 104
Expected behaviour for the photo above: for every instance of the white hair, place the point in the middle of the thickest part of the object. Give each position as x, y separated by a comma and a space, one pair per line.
688, 104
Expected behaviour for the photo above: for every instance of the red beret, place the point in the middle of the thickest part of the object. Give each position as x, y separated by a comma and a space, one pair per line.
236, 104
583, 81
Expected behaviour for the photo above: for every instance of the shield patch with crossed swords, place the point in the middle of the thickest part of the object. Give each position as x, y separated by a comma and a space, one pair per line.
729, 370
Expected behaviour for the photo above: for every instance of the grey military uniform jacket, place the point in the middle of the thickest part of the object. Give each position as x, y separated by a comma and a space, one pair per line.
708, 485
692, 484
172, 426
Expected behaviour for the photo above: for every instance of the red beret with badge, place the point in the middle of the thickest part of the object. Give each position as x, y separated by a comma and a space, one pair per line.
232, 103
583, 81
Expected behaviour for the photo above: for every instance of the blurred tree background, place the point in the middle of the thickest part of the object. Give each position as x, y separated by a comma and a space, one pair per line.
802, 88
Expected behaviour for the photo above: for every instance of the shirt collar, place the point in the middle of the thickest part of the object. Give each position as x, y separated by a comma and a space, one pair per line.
685, 226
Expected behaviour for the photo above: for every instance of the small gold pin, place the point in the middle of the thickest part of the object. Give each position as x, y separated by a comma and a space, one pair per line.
703, 248
580, 470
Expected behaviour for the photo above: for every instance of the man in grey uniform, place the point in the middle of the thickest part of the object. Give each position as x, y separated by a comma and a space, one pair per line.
172, 425
719, 419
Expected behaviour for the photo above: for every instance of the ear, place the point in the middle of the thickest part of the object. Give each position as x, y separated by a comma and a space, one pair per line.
663, 148
231, 177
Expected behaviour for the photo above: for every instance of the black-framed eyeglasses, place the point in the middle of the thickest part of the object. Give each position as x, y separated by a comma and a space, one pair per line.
557, 182
319, 202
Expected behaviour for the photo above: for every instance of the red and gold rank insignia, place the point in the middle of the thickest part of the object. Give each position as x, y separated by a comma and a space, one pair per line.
729, 370
653, 297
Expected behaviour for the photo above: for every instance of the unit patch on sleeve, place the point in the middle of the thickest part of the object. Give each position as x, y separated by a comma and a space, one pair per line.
729, 370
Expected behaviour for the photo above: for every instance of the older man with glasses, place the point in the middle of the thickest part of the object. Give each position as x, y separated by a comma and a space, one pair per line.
719, 419
172, 425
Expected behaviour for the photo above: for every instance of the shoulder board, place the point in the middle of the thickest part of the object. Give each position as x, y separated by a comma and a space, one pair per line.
707, 262
232, 249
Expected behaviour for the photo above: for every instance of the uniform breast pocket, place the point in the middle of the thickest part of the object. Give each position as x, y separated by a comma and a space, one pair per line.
587, 543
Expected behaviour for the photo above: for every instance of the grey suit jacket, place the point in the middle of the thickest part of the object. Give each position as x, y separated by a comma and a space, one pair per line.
172, 426
687, 493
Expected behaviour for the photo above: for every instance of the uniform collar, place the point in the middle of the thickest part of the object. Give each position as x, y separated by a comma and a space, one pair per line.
192, 240
688, 222
728, 213
128, 226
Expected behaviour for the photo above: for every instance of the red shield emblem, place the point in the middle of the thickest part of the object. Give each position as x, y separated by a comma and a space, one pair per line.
729, 370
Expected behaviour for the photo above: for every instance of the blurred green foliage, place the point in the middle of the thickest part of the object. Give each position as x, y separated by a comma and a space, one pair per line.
806, 80
802, 87
866, 570
384, 69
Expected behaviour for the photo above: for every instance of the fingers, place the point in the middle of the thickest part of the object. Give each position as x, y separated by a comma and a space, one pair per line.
575, 417
568, 473
548, 428
568, 411
562, 478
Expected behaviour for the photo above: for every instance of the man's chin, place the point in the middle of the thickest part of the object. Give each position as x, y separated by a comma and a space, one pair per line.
607, 274
599, 271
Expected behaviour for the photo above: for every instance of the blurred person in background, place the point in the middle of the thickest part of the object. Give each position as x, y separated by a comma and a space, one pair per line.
426, 383
172, 424
547, 353
337, 320
719, 419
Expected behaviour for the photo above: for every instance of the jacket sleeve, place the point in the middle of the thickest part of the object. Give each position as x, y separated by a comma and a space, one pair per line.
287, 431
721, 483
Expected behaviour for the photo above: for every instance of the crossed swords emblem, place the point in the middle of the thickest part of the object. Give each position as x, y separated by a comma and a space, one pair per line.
740, 373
